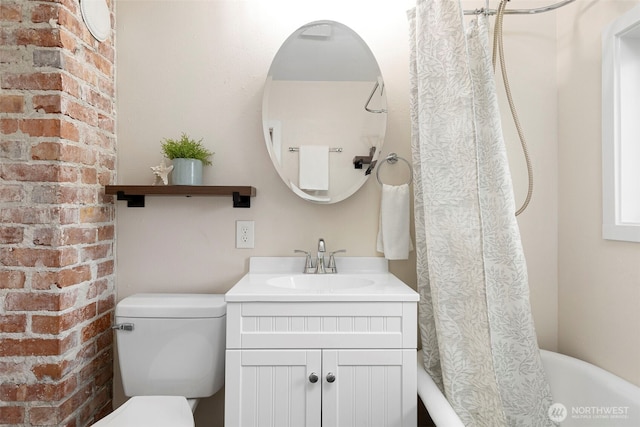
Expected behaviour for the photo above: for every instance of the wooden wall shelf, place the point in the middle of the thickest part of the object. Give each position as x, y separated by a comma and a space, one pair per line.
135, 194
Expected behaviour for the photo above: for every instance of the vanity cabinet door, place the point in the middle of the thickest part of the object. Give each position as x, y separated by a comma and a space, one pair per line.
273, 388
369, 388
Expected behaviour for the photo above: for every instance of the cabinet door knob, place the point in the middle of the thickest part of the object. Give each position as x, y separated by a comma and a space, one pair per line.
313, 378
331, 377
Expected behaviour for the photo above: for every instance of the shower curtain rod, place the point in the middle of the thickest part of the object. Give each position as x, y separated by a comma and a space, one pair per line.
519, 11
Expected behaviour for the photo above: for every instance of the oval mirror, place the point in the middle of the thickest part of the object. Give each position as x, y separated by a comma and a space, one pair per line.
324, 111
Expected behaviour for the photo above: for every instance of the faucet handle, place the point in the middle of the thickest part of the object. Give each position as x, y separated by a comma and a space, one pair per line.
331, 268
321, 245
308, 264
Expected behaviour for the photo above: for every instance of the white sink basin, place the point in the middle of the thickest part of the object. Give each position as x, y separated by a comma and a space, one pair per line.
324, 282
280, 279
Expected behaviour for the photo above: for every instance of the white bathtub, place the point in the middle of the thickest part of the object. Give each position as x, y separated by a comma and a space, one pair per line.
584, 395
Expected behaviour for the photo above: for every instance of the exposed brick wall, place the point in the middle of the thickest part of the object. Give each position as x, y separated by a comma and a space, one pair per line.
57, 151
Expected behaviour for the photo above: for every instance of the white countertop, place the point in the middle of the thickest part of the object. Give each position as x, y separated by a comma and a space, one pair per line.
383, 286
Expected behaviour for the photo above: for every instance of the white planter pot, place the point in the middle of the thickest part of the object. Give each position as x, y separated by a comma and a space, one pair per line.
186, 172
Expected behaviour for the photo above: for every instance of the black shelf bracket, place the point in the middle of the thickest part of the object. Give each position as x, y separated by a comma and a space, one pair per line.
133, 200
241, 201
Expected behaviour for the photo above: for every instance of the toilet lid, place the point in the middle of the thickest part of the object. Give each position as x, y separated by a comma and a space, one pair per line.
150, 411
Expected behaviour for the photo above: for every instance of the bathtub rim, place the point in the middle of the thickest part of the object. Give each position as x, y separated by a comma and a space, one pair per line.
443, 414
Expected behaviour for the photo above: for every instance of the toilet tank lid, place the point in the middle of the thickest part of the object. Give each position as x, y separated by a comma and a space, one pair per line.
149, 305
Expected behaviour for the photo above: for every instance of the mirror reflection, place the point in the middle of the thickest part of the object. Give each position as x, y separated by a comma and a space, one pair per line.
324, 111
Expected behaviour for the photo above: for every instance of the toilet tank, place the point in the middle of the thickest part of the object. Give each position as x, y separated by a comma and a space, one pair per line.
176, 346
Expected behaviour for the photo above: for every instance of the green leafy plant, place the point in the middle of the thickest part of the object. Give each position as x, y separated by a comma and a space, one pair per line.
186, 148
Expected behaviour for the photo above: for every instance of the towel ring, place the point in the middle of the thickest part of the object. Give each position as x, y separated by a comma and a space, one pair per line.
393, 158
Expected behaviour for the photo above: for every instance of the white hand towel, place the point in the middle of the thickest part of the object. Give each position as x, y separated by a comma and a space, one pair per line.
394, 238
313, 167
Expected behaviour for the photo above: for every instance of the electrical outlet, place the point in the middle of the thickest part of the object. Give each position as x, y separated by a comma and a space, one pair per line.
244, 234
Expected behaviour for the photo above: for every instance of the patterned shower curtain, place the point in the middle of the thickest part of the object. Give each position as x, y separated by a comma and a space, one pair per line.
477, 331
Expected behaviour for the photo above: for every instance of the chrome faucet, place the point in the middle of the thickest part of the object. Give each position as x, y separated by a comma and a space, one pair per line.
320, 267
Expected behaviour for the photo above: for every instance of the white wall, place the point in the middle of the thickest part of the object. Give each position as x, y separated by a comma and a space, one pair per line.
599, 280
199, 67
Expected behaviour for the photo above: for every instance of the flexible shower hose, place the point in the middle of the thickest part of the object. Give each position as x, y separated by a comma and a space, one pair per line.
498, 47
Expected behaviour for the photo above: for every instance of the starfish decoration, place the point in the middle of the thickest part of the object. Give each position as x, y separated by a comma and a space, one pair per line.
162, 172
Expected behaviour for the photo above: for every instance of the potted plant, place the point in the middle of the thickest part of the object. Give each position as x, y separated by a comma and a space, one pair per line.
188, 157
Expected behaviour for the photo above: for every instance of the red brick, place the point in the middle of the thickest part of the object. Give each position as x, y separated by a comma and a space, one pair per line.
73, 403
30, 347
9, 126
45, 280
72, 276
41, 127
44, 12
68, 215
105, 268
30, 215
47, 371
44, 415
11, 193
106, 123
54, 371
46, 151
44, 392
108, 162
54, 325
47, 103
63, 152
79, 235
10, 235
13, 323
101, 63
89, 176
95, 252
45, 236
11, 103
30, 172
96, 327
32, 301
44, 37
77, 195
106, 178
71, 23
69, 41
38, 257
106, 233
69, 131
11, 279
12, 415
100, 101
103, 360
83, 113
10, 12
33, 81
97, 288
106, 304
79, 154
44, 194
93, 214
48, 280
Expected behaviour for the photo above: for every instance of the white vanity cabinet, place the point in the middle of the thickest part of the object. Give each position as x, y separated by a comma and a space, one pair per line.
321, 364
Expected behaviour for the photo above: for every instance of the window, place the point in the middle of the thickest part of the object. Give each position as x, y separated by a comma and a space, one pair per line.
621, 128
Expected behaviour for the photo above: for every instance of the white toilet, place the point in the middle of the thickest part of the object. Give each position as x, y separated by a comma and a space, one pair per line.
171, 352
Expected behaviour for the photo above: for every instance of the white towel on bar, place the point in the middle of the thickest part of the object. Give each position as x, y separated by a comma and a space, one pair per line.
313, 167
394, 239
